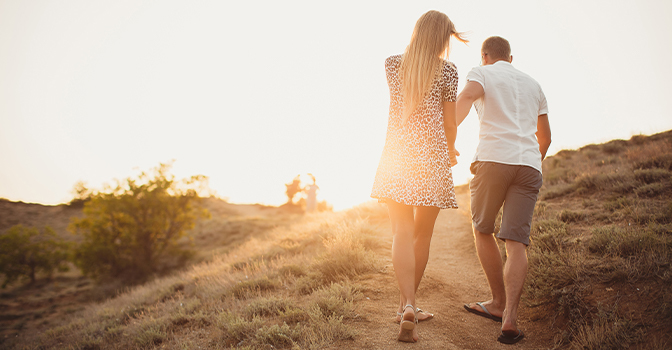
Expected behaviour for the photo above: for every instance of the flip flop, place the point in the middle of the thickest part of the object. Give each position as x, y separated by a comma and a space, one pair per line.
510, 337
485, 312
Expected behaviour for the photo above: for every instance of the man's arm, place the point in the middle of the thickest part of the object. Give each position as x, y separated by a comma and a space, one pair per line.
450, 127
543, 134
471, 92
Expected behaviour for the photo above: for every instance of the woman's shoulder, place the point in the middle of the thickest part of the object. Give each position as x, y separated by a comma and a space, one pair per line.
393, 60
448, 65
449, 69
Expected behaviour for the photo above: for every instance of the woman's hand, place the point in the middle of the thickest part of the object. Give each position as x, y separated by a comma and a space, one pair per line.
452, 154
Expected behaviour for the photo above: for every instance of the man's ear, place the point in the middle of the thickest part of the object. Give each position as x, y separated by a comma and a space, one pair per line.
511, 59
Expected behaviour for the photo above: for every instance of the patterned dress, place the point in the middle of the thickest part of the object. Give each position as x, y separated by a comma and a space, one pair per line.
415, 166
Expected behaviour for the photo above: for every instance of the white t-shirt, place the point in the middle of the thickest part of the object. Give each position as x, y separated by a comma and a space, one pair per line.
508, 113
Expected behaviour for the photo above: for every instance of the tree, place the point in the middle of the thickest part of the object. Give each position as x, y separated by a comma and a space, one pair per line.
134, 228
81, 194
293, 188
25, 251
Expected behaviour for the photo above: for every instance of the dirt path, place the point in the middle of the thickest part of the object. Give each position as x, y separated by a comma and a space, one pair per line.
453, 277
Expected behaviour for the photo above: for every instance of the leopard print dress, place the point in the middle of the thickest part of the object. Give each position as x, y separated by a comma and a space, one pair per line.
415, 166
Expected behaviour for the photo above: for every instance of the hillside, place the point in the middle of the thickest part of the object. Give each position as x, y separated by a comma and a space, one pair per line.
600, 261
599, 278
26, 309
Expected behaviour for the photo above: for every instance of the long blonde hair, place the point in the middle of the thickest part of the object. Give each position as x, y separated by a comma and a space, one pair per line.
422, 59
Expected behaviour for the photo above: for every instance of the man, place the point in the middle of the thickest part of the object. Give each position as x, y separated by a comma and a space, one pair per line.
513, 139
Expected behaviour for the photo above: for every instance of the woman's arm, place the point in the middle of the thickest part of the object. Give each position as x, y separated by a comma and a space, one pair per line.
450, 126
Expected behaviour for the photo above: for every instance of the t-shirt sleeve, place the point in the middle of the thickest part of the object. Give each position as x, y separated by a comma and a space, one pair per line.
543, 106
476, 75
449, 93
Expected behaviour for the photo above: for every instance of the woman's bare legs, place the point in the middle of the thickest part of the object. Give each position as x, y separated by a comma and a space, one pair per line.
424, 220
410, 249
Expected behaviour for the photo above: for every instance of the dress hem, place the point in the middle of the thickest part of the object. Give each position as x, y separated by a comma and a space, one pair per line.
385, 199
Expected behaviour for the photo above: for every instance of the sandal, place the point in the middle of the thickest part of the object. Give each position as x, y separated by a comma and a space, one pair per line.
417, 310
407, 327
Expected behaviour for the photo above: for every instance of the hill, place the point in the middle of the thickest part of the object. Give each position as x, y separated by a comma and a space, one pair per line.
599, 278
27, 309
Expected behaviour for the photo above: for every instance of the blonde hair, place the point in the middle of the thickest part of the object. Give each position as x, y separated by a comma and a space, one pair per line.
422, 59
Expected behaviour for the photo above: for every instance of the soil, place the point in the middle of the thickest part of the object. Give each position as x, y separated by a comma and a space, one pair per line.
453, 277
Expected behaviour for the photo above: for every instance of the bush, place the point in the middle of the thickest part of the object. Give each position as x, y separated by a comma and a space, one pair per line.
25, 251
134, 229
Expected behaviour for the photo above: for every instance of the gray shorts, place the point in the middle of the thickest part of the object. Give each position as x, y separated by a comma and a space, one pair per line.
516, 186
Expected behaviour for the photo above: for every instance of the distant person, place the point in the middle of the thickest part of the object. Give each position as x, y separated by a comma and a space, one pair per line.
311, 195
414, 175
513, 139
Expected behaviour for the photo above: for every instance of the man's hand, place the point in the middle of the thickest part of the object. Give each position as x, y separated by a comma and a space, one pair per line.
453, 154
543, 134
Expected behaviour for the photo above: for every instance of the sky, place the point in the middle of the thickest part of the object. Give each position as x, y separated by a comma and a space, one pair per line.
252, 93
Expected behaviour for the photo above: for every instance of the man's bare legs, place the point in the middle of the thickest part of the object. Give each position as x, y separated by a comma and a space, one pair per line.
506, 284
405, 260
491, 262
515, 271
425, 218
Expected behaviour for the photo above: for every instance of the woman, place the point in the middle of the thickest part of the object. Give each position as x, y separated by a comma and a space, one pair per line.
414, 175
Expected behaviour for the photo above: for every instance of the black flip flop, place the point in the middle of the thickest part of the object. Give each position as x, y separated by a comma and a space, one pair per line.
510, 337
485, 312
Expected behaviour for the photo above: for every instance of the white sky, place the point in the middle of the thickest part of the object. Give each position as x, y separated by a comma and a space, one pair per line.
253, 93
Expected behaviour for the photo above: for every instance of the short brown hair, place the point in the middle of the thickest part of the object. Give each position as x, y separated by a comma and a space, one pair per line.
497, 48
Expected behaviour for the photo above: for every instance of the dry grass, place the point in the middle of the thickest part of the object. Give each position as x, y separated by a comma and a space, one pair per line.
224, 303
599, 230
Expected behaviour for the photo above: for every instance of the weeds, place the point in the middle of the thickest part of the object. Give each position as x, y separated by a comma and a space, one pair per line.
649, 176
245, 289
568, 216
606, 332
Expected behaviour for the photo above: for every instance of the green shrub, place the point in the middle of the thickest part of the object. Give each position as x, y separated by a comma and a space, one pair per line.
26, 251
134, 229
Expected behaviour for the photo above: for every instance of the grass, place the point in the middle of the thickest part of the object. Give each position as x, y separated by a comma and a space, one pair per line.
297, 289
602, 243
